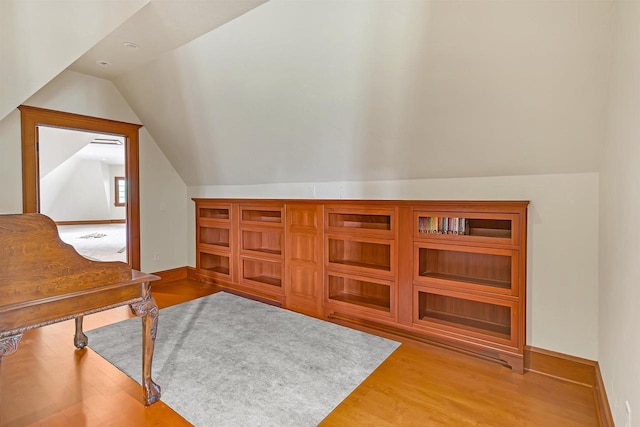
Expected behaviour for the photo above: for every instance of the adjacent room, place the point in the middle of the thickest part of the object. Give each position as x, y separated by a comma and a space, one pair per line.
358, 212
82, 188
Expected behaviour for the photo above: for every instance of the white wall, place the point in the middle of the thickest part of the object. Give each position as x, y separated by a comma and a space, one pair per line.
562, 276
34, 48
79, 93
75, 191
10, 164
163, 209
619, 317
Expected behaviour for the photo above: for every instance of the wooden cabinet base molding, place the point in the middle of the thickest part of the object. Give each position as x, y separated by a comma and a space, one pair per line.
446, 272
395, 332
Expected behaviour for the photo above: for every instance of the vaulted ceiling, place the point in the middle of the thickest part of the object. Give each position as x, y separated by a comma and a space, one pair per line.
321, 90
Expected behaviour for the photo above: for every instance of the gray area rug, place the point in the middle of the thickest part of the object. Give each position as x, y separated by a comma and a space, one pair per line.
223, 360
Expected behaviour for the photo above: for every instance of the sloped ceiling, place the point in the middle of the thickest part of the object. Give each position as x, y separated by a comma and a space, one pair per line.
34, 48
57, 145
317, 90
160, 26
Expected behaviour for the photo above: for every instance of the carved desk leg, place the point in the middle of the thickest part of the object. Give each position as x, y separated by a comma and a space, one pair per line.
148, 310
80, 340
9, 345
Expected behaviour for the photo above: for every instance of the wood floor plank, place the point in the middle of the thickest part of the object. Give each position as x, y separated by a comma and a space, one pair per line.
47, 382
423, 385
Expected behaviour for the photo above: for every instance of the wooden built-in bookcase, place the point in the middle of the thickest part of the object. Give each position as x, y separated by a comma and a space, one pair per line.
442, 271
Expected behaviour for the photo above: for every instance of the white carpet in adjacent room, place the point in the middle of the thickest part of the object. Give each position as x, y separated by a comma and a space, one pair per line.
109, 246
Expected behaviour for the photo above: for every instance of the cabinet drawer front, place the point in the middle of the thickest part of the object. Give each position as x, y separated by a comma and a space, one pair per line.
466, 317
359, 294
488, 270
373, 222
470, 227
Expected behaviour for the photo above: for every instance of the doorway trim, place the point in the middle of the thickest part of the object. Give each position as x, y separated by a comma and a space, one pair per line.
32, 117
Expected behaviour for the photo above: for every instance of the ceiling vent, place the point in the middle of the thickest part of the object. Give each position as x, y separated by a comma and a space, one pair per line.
107, 141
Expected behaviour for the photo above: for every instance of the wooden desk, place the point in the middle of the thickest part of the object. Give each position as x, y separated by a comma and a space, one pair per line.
44, 280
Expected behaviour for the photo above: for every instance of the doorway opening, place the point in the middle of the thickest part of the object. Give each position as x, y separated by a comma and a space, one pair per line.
82, 182
36, 119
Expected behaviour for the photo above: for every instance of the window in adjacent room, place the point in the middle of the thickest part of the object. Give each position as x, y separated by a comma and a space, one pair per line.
120, 190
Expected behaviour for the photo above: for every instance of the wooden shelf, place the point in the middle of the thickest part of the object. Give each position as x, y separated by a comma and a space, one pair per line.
466, 265
263, 241
214, 236
262, 215
361, 300
359, 291
477, 316
361, 254
500, 284
217, 269
500, 228
262, 271
468, 324
215, 213
267, 280
362, 221
214, 263
360, 264
490, 232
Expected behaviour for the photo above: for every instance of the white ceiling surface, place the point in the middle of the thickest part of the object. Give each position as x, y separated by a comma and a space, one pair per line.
162, 25
57, 145
316, 90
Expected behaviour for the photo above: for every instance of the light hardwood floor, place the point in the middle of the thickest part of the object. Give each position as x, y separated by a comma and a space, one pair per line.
49, 383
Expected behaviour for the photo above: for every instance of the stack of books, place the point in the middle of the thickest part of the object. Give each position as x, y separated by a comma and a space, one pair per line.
443, 225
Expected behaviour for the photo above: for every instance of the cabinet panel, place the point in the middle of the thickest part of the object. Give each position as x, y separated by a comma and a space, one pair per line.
303, 248
303, 261
305, 217
304, 283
